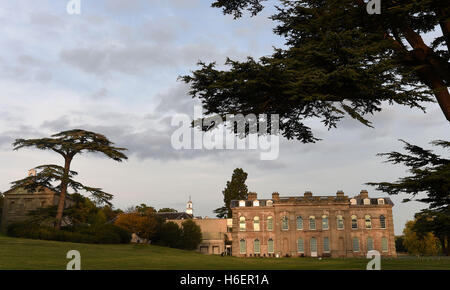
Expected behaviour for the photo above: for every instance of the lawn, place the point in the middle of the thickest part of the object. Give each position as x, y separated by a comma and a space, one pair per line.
36, 254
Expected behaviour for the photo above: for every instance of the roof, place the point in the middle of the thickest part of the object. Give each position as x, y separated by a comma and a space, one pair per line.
174, 215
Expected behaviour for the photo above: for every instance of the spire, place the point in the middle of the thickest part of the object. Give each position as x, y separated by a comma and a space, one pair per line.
189, 208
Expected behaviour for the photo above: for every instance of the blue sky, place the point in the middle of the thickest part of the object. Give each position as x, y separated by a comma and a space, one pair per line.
113, 69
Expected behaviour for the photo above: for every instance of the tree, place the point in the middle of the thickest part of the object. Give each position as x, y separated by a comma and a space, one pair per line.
144, 209
430, 174
166, 209
236, 189
68, 144
437, 223
337, 61
1, 206
191, 235
170, 235
143, 225
416, 245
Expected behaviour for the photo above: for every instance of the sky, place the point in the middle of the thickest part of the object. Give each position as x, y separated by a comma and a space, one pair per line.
114, 69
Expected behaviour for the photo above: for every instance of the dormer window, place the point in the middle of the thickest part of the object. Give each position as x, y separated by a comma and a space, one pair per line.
353, 201
366, 201
381, 201
256, 203
242, 203
269, 203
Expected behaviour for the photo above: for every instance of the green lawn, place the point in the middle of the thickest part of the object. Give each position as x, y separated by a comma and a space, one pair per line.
36, 254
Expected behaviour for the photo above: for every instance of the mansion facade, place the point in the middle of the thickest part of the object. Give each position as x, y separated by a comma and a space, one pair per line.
312, 226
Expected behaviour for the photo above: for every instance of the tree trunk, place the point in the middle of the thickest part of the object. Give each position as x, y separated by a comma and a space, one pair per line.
62, 195
440, 91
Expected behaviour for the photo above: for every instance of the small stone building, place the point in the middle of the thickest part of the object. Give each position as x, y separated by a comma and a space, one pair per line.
314, 226
19, 202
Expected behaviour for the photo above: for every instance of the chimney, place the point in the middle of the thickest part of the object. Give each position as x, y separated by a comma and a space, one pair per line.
308, 194
252, 196
32, 172
340, 193
276, 196
364, 194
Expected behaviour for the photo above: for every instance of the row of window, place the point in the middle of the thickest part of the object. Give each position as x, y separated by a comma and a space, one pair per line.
312, 245
312, 223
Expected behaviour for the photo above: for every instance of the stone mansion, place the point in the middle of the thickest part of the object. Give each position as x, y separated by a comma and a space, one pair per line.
312, 226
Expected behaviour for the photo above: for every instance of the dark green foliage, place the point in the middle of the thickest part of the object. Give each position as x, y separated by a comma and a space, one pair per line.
104, 234
191, 235
430, 174
399, 247
338, 61
170, 235
236, 189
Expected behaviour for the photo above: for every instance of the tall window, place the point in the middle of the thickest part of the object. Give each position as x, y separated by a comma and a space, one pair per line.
270, 223
300, 246
312, 223
355, 245
242, 246
313, 245
369, 244
368, 222
324, 222
257, 246
285, 223
340, 222
326, 245
270, 248
382, 222
242, 223
299, 223
354, 222
256, 224
384, 244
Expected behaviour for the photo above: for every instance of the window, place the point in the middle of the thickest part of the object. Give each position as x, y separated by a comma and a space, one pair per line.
242, 223
270, 223
256, 224
242, 203
369, 244
313, 245
366, 201
353, 201
384, 244
340, 222
368, 222
257, 247
312, 223
326, 245
270, 247
269, 203
256, 203
355, 245
382, 222
299, 223
284, 223
242, 246
324, 222
300, 246
381, 201
354, 222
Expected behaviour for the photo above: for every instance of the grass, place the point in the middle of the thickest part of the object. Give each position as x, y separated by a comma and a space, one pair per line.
49, 255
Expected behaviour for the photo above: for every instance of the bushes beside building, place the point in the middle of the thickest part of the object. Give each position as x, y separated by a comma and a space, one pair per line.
99, 234
148, 225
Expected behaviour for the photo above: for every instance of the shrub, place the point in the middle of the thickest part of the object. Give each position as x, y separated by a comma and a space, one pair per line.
100, 234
